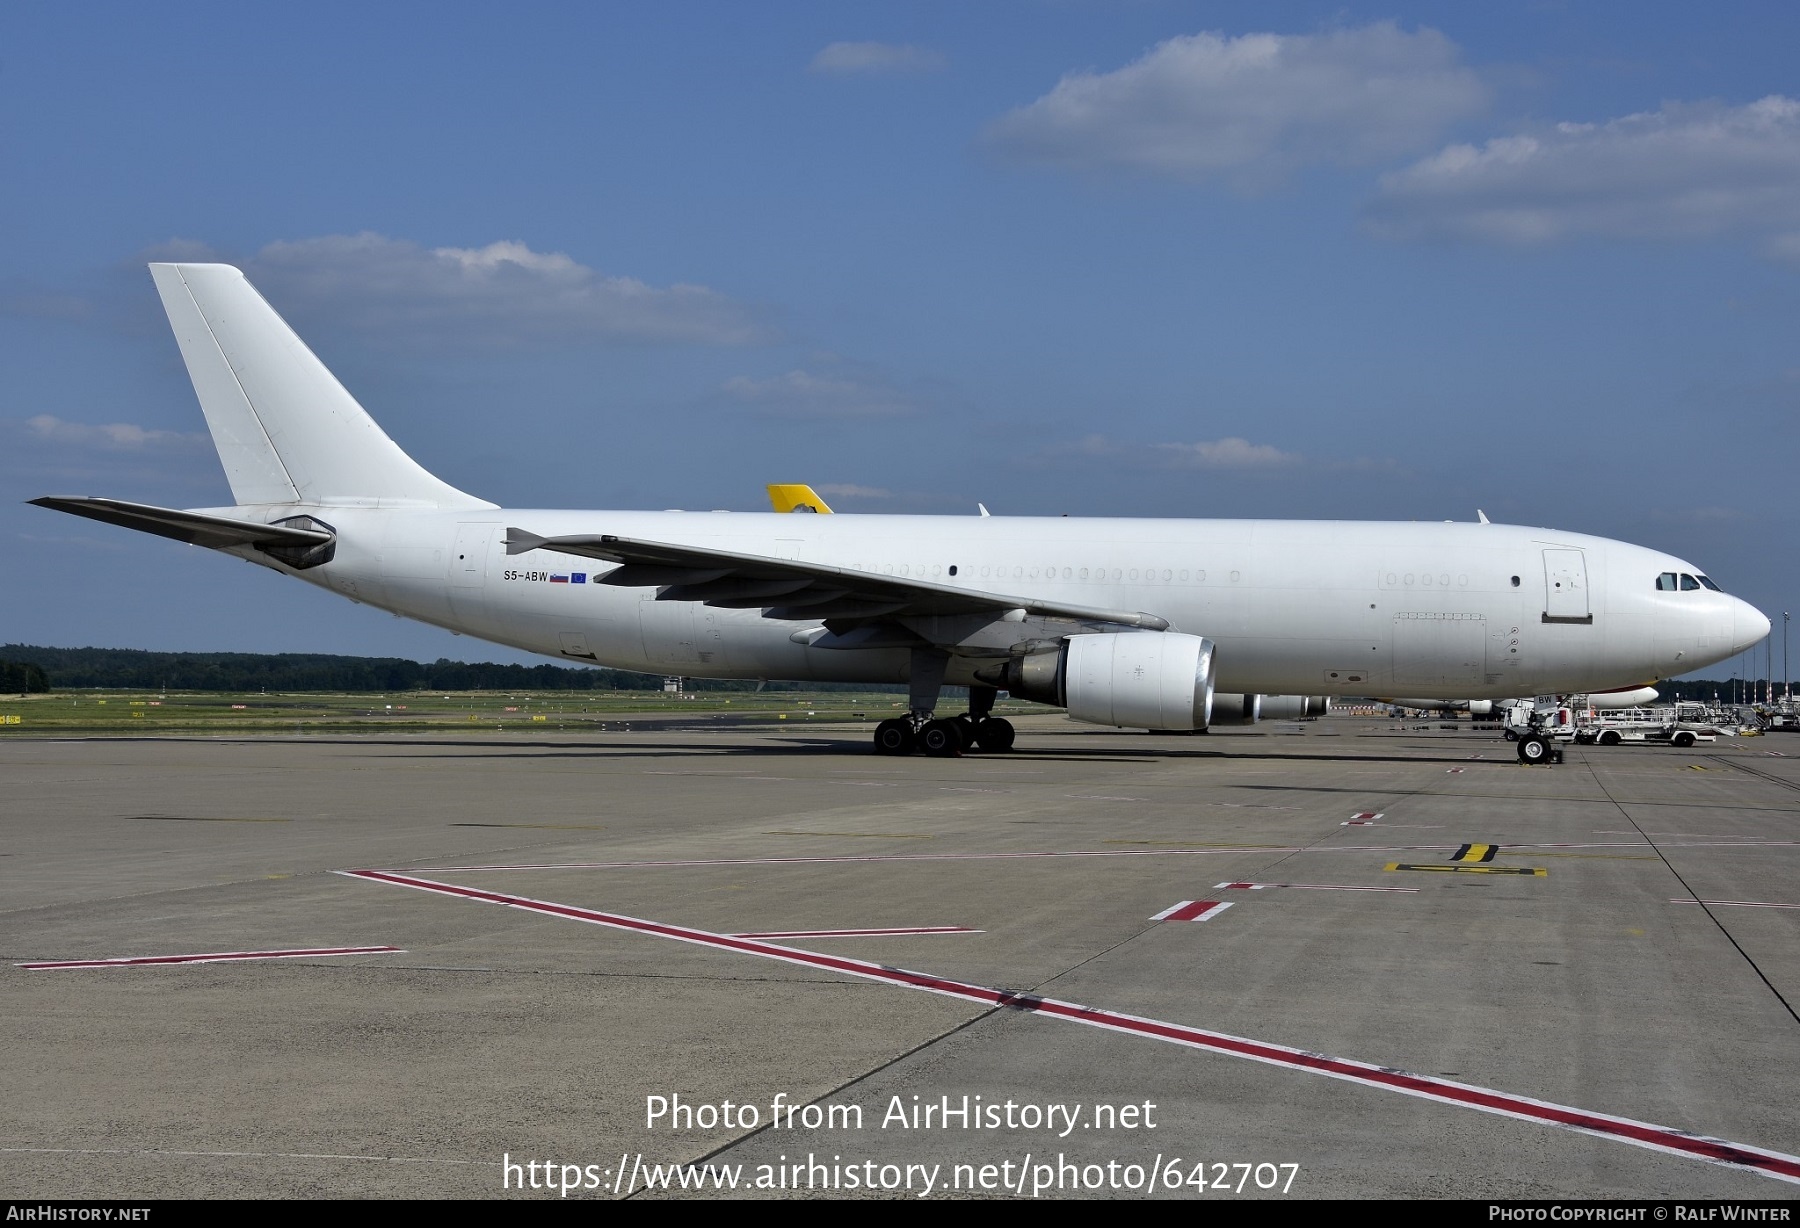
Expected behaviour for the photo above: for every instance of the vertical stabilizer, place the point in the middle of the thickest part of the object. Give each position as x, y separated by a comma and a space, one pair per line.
286, 430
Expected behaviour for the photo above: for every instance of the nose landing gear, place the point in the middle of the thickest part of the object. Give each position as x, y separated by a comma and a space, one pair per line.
1535, 748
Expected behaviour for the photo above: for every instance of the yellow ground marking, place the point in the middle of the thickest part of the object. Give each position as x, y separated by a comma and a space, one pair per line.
1476, 852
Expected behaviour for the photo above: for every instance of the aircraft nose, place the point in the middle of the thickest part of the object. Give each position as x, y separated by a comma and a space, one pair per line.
1749, 625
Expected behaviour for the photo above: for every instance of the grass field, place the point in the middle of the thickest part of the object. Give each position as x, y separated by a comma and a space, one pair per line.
82, 713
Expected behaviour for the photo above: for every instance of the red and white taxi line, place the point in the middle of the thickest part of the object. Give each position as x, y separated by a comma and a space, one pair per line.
1778, 1165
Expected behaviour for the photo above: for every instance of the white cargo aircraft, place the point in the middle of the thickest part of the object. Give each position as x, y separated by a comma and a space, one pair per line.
1132, 623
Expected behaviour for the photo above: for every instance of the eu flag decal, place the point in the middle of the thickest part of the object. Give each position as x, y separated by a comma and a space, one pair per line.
578, 577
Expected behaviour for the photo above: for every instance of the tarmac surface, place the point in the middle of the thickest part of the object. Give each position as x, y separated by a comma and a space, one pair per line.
1594, 999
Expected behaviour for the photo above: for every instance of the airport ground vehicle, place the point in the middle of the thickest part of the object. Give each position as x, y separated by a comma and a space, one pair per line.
1679, 724
1130, 623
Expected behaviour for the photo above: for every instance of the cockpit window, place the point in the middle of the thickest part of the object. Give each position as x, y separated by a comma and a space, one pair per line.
1709, 584
1688, 583
1665, 583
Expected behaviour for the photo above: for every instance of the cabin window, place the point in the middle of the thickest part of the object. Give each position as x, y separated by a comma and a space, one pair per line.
1515, 581
1665, 583
953, 569
1688, 583
1709, 584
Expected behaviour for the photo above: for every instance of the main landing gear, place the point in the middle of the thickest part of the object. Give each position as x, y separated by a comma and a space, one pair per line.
942, 737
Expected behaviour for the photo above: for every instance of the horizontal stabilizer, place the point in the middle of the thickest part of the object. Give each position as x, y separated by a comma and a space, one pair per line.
820, 591
195, 528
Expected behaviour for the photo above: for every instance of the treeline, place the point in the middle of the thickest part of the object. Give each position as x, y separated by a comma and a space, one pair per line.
22, 678
133, 669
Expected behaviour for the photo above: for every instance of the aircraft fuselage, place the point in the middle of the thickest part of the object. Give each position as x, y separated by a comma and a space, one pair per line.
1320, 607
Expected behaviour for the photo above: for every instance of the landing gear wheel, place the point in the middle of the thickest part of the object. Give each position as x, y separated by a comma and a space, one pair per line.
894, 737
995, 734
941, 739
965, 725
1534, 749
1510, 736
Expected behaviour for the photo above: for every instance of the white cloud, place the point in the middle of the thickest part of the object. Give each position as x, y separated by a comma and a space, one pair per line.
801, 394
1228, 453
1250, 109
504, 294
112, 437
1686, 171
1231, 452
865, 59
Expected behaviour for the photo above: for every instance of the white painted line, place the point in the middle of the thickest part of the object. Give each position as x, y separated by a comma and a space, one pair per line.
214, 957
1776, 1164
879, 933
1736, 903
1308, 887
1176, 852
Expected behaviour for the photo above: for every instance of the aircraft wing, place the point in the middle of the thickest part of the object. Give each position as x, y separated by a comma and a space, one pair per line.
794, 590
195, 528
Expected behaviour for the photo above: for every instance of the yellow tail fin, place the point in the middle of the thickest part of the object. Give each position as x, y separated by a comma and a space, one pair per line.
796, 499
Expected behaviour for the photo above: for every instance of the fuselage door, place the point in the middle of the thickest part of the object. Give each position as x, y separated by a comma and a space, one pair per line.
1566, 587
468, 571
468, 561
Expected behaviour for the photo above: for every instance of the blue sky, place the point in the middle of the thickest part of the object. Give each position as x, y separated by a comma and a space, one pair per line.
1099, 258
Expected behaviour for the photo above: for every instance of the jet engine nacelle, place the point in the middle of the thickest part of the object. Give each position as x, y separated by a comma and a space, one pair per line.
1137, 679
1232, 709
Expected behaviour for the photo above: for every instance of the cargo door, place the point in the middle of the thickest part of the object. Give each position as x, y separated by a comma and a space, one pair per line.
1433, 651
1566, 587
